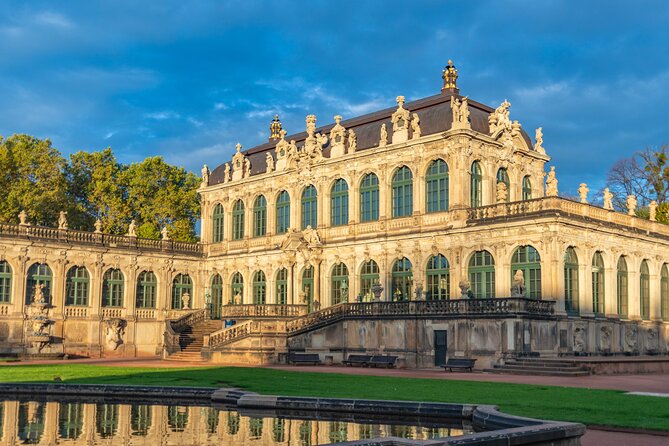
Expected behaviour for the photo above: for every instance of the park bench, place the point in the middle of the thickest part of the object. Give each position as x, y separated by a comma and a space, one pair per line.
362, 360
386, 361
304, 358
459, 363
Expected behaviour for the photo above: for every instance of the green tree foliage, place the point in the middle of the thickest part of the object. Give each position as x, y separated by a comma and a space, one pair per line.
31, 179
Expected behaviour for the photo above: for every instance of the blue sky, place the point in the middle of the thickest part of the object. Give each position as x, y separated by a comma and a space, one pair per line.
187, 80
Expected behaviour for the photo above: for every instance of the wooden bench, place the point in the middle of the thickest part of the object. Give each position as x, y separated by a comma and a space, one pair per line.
362, 360
304, 358
386, 361
459, 363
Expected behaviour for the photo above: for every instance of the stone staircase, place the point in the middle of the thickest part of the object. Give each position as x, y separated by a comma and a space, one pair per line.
541, 367
191, 340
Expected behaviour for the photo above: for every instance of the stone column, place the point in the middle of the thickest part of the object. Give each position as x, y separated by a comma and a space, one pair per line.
247, 295
295, 208
503, 272
205, 223
248, 218
419, 192
322, 205
610, 290
227, 221
292, 285
655, 300
270, 291
58, 287
633, 288
585, 287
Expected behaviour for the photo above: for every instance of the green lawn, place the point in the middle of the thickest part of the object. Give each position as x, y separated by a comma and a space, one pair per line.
589, 406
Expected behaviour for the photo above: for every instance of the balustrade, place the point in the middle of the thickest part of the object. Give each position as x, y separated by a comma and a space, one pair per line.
112, 312
228, 311
4, 310
145, 313
76, 312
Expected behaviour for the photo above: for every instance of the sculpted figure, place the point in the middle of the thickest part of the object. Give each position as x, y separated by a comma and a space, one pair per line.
185, 301
631, 205
226, 172
114, 330
384, 136
270, 162
62, 220
415, 126
247, 168
551, 183
164, 234
579, 339
311, 236
455, 111
23, 218
629, 344
499, 120
608, 199
464, 286
518, 286
352, 141
605, 338
502, 192
583, 192
652, 210
132, 229
205, 176
464, 113
98, 226
39, 298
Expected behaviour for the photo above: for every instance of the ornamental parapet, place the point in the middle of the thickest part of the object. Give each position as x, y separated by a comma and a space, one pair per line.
242, 311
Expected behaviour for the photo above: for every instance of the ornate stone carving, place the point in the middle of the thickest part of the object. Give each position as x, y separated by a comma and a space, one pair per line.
502, 194
583, 192
539, 141
185, 301
460, 114
114, 331
652, 211
62, 220
464, 286
651, 340
518, 286
311, 236
630, 339
608, 199
400, 120
631, 205
499, 120
281, 150
238, 163
132, 229
551, 183
352, 141
98, 226
270, 163
226, 173
247, 168
605, 338
337, 138
579, 338
383, 141
415, 126
23, 218
313, 144
205, 176
165, 234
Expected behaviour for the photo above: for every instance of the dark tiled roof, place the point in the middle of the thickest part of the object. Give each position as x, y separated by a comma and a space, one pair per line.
434, 113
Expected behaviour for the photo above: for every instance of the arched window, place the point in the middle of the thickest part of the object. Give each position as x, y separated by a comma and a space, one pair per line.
644, 291
436, 186
181, 285
598, 283
237, 289
476, 188
282, 212
5, 282
527, 188
70, 420
438, 278
38, 274
571, 281
402, 186
216, 296
282, 286
260, 216
482, 274
369, 275
177, 418
503, 177
76, 287
308, 286
622, 287
664, 292
147, 285
339, 203
309, 207
402, 279
238, 220
526, 259
217, 226
259, 288
369, 198
112, 288
140, 419
31, 420
106, 420
339, 290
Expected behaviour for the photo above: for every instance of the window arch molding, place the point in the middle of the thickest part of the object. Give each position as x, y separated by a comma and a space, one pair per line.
401, 185
339, 199
369, 193
437, 179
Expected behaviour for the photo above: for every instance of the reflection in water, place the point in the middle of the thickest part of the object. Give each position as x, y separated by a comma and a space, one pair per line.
77, 423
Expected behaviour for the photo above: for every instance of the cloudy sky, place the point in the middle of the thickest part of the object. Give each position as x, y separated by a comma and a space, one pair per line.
188, 79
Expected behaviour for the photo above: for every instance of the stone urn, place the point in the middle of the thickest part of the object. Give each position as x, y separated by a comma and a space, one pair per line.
377, 289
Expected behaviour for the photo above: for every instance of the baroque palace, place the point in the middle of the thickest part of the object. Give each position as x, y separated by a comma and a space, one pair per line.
428, 230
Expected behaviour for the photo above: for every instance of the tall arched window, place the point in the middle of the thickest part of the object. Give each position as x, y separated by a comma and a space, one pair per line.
526, 259
369, 275
259, 288
644, 291
503, 177
339, 203
622, 287
112, 288
282, 212
402, 280
598, 283
38, 274
182, 284
476, 188
140, 419
282, 286
402, 186
339, 282
571, 281
217, 226
216, 296
5, 282
437, 278
482, 274
527, 188
70, 420
369, 198
308, 286
664, 292
238, 220
237, 289
260, 216
309, 207
436, 186
146, 290
76, 288
106, 420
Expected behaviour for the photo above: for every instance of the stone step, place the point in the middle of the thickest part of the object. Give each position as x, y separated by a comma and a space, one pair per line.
542, 372
568, 368
523, 363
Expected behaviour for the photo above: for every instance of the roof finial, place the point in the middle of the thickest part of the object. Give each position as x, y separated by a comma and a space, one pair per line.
275, 129
450, 77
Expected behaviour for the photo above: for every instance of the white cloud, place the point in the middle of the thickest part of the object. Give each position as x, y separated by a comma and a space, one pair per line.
220, 106
53, 19
162, 115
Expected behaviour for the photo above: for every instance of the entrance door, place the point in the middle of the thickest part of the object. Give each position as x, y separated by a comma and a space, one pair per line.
440, 347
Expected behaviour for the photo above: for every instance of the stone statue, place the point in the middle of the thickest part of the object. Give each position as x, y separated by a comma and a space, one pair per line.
652, 211
237, 298
226, 173
270, 162
515, 128
114, 330
311, 236
164, 234
238, 163
23, 218
464, 114
455, 112
400, 120
631, 205
415, 126
630, 339
583, 192
605, 338
502, 192
132, 229
316, 304
337, 138
608, 199
551, 183
539, 138
352, 141
98, 226
579, 339
464, 286
185, 301
205, 176
62, 220
384, 136
39, 297
499, 120
247, 168
518, 286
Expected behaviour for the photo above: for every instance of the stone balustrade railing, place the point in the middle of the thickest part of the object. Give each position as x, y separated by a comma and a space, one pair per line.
188, 320
4, 310
105, 240
145, 313
112, 313
261, 311
76, 312
237, 331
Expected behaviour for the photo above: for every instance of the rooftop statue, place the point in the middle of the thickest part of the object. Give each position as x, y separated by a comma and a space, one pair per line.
226, 173
165, 234
270, 162
205, 176
400, 120
539, 138
460, 112
583, 192
502, 192
62, 220
23, 218
608, 199
337, 138
551, 183
384, 136
631, 205
238, 163
98, 226
132, 229
247, 167
652, 211
314, 142
352, 141
499, 120
415, 126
